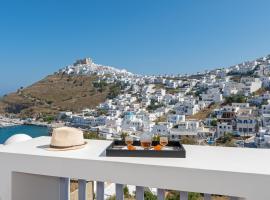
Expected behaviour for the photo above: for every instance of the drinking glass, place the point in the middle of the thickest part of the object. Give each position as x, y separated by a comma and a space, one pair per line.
163, 141
128, 140
146, 141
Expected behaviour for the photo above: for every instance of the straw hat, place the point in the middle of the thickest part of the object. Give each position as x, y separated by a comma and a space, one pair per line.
66, 138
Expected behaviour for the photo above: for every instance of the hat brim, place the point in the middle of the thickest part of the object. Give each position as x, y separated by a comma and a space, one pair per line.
51, 148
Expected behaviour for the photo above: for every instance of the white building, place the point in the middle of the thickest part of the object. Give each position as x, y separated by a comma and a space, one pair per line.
265, 120
131, 122
86, 122
262, 138
246, 124
161, 128
265, 109
224, 127
160, 92
230, 88
240, 105
212, 96
250, 85
186, 109
265, 115
175, 119
148, 89
189, 128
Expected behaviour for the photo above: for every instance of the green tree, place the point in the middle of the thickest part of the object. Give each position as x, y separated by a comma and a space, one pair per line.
123, 135
154, 105
91, 135
226, 140
156, 138
149, 196
235, 99
48, 119
213, 122
115, 90
102, 112
100, 85
112, 198
174, 195
126, 192
194, 196
264, 102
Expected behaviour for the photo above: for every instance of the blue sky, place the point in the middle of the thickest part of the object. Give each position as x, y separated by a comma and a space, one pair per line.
143, 36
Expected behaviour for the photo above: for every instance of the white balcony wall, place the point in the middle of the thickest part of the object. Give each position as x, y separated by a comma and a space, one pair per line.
209, 170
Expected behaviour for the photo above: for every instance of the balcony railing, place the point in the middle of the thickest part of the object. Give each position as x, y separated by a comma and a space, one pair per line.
234, 172
119, 192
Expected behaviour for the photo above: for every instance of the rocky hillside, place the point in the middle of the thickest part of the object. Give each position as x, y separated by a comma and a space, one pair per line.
53, 94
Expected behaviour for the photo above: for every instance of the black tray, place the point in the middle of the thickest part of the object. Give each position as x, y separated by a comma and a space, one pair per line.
115, 150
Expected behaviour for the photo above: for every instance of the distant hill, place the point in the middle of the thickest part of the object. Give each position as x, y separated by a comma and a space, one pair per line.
72, 88
53, 94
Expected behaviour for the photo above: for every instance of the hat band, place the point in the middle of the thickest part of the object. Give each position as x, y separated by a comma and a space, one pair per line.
65, 147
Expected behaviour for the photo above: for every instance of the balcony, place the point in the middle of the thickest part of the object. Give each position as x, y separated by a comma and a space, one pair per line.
30, 172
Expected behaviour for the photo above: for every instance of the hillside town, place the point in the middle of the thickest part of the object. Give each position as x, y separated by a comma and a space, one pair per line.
134, 100
230, 106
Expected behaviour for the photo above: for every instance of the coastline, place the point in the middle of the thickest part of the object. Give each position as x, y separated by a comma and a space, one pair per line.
8, 122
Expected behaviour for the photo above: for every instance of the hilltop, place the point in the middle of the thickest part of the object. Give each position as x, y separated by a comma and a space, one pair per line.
53, 94
87, 67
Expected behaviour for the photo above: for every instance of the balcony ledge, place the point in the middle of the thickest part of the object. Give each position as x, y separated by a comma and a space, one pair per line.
213, 170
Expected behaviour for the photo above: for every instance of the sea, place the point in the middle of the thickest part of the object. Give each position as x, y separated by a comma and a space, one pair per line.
31, 130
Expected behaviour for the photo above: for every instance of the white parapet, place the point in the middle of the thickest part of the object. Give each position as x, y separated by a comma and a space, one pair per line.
210, 170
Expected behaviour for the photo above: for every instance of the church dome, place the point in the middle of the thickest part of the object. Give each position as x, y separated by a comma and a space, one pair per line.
17, 138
